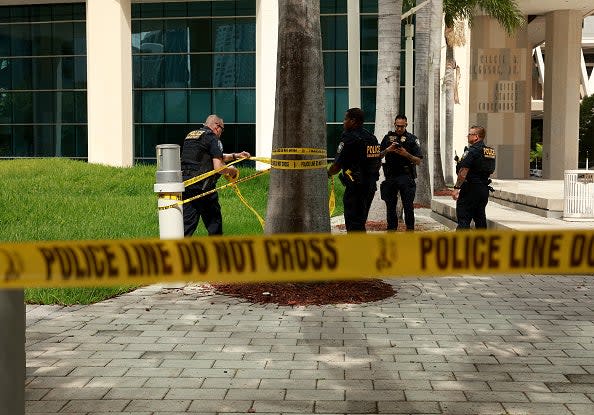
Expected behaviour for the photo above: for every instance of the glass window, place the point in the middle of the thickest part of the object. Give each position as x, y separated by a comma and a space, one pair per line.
368, 32
151, 10
79, 11
332, 6
368, 104
63, 39
43, 73
152, 107
368, 6
176, 71
246, 105
200, 34
175, 9
199, 9
368, 68
200, 105
65, 107
82, 141
80, 38
152, 71
151, 36
66, 137
5, 107
201, 71
62, 12
20, 40
4, 40
176, 38
223, 8
64, 72
330, 104
80, 107
245, 8
224, 104
44, 104
43, 141
176, 107
245, 70
21, 73
80, 72
41, 39
5, 140
23, 140
5, 74
223, 35
224, 70
22, 107
245, 35
336, 69
342, 103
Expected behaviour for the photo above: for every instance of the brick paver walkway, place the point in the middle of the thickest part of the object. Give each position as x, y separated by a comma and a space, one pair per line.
460, 345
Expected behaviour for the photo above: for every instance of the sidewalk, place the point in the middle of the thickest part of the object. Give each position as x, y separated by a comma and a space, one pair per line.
456, 345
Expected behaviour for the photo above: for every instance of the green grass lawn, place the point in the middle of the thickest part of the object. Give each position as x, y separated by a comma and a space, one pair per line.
61, 199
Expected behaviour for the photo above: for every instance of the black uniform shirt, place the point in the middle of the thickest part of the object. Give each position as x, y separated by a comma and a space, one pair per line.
396, 164
198, 150
352, 152
473, 160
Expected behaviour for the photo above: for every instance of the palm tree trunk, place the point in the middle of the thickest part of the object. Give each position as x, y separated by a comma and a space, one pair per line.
449, 77
436, 36
298, 199
388, 65
421, 125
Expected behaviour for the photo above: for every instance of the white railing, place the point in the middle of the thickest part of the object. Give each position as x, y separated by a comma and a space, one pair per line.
578, 198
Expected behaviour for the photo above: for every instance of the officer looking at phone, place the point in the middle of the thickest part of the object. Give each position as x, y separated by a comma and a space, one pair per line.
403, 154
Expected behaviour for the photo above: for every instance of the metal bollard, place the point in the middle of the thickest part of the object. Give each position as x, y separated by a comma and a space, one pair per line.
169, 185
12, 352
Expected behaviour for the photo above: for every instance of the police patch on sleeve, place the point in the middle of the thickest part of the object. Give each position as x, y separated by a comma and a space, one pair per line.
340, 146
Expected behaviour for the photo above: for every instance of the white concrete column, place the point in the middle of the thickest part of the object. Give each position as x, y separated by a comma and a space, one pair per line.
109, 82
409, 68
266, 57
561, 92
354, 53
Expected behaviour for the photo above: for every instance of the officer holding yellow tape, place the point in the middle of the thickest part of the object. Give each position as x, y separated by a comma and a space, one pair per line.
202, 151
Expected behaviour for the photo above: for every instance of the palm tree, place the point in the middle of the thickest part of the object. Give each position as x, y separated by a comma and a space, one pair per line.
435, 50
388, 65
422, 76
298, 199
509, 16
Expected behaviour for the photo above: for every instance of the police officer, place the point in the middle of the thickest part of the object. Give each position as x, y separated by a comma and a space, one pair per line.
202, 151
471, 191
403, 153
358, 156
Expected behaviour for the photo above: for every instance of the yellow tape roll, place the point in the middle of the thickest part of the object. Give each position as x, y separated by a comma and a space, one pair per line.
295, 257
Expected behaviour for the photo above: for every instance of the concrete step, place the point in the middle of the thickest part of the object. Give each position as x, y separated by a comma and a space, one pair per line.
503, 217
539, 197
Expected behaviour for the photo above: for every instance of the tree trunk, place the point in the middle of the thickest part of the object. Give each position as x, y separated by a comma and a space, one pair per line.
435, 51
421, 125
449, 80
388, 65
298, 199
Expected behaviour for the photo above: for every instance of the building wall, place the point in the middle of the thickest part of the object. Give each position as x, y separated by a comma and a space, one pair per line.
499, 96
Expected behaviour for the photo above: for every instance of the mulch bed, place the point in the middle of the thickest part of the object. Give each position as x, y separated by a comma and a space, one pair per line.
316, 293
443, 192
319, 293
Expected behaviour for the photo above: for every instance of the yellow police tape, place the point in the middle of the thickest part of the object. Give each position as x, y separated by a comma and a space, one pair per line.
299, 150
293, 164
295, 257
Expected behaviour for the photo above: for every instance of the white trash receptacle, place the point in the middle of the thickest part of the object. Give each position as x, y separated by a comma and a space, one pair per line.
578, 189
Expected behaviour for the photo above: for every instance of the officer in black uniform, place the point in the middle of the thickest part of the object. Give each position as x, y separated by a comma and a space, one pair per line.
471, 191
403, 153
202, 151
358, 156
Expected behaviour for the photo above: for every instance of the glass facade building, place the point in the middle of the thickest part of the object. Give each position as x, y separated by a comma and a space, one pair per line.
189, 59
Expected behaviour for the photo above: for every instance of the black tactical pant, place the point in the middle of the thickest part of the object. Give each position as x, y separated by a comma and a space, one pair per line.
407, 187
207, 208
471, 205
356, 206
